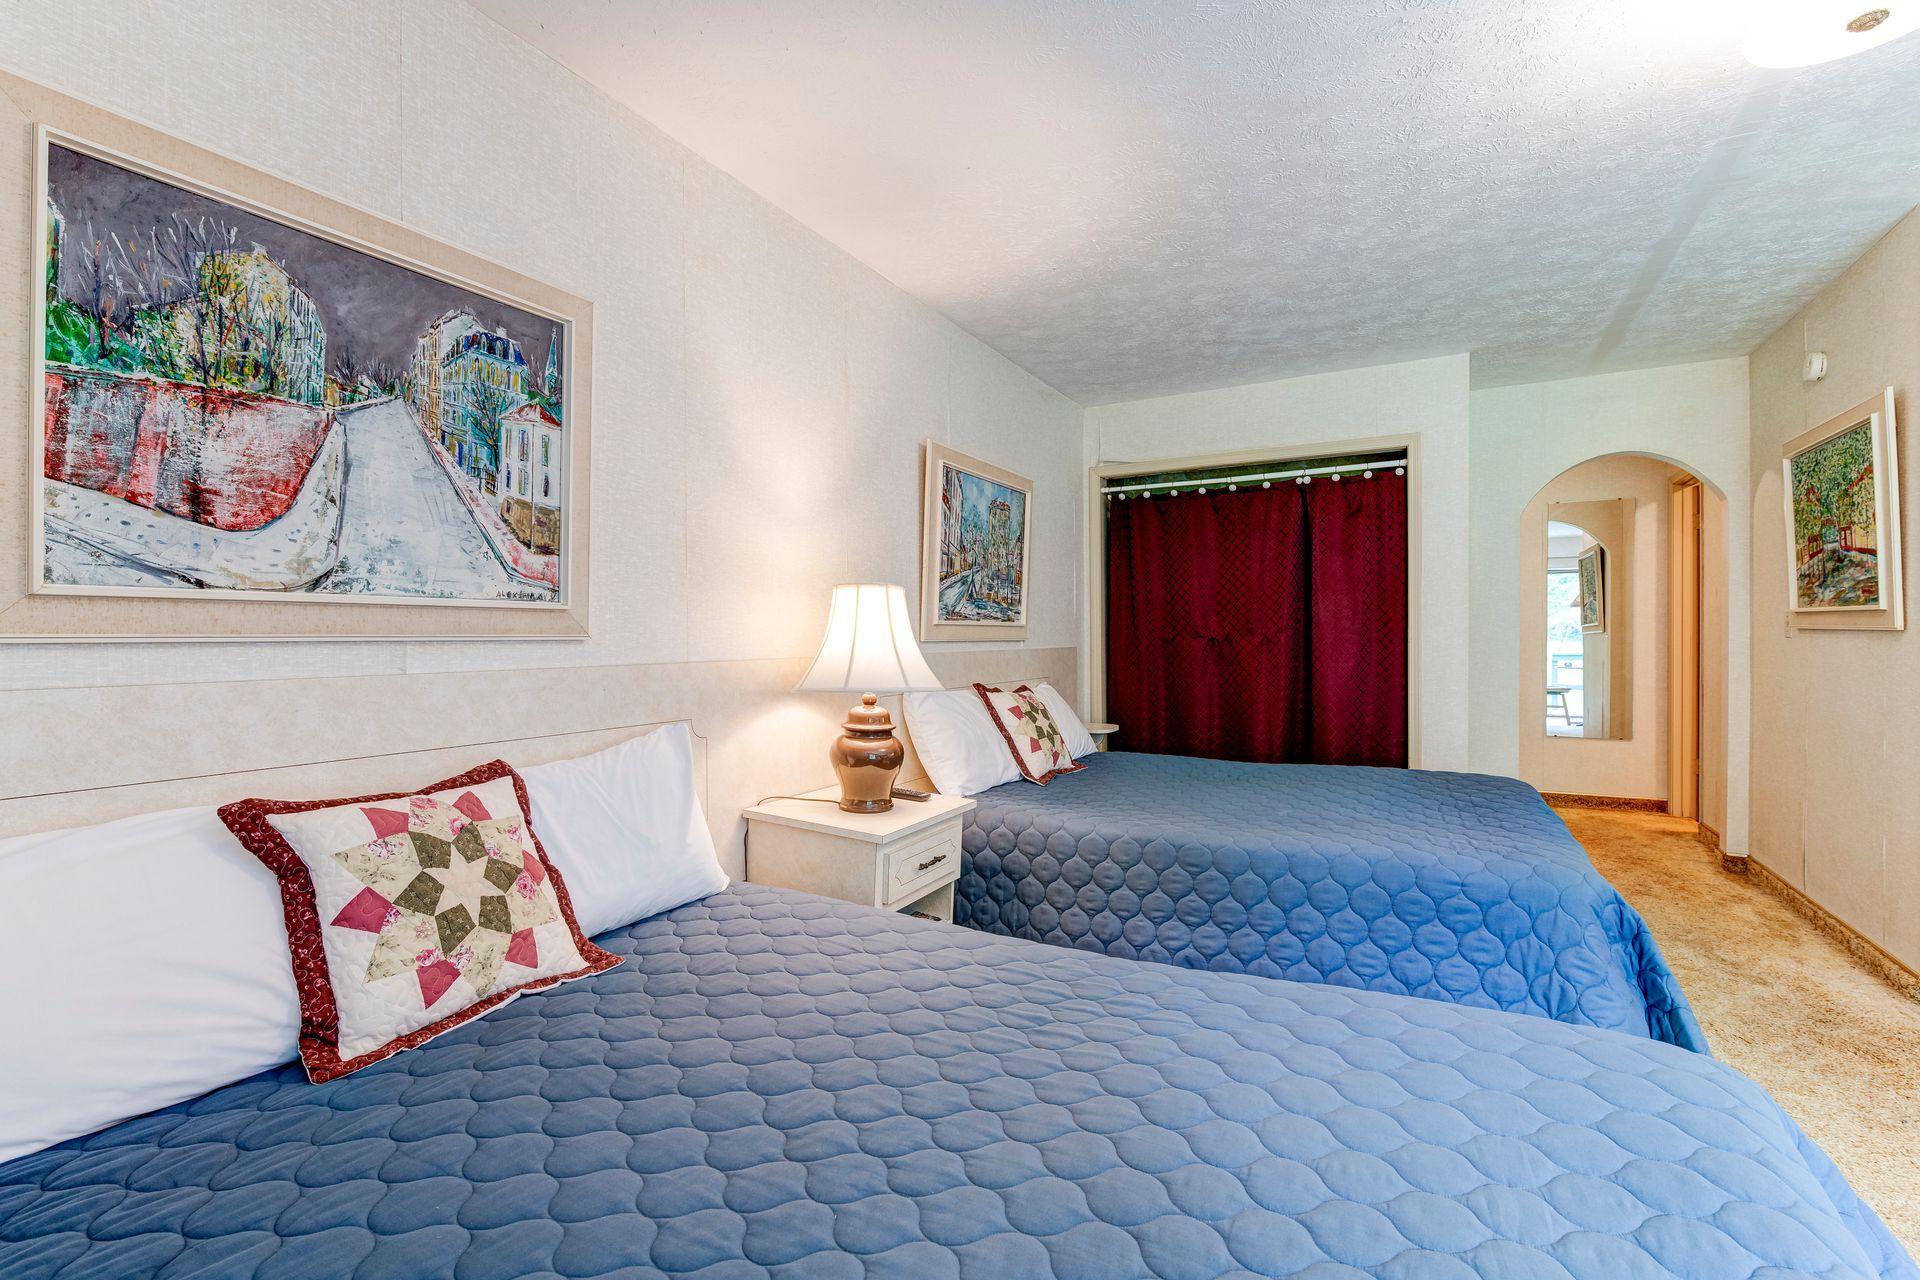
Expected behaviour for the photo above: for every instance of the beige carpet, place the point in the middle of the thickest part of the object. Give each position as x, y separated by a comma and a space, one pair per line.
1837, 1046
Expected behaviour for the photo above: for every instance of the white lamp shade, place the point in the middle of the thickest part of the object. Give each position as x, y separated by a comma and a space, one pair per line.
869, 646
1801, 33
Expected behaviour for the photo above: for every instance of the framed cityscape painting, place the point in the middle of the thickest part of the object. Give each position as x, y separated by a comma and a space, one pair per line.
1593, 589
260, 413
1842, 482
973, 556
233, 403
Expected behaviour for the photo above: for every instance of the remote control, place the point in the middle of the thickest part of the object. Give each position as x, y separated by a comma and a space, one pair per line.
908, 793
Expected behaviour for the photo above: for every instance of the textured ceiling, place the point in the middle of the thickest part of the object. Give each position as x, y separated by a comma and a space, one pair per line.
1131, 198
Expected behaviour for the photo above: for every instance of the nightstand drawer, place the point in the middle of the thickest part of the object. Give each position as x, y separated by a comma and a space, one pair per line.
906, 857
921, 863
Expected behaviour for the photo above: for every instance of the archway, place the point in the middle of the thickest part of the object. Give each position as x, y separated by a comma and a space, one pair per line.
1629, 703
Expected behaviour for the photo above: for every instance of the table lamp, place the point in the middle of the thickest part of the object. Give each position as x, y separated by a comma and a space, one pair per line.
869, 650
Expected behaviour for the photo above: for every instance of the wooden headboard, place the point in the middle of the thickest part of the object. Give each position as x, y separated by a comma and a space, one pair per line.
82, 754
316, 779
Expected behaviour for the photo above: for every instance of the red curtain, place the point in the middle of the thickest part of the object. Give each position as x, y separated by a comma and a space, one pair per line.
1264, 624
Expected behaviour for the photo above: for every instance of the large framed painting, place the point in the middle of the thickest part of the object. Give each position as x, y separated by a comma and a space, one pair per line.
1842, 483
1593, 589
973, 555
258, 412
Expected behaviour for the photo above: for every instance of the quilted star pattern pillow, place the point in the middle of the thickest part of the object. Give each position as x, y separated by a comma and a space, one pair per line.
1030, 731
409, 914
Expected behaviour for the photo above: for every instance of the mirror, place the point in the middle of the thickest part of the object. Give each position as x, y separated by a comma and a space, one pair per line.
1589, 625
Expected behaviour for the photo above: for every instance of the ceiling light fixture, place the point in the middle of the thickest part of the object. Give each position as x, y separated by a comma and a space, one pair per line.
1802, 33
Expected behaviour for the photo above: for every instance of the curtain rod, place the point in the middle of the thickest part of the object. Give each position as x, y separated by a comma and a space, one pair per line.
1265, 478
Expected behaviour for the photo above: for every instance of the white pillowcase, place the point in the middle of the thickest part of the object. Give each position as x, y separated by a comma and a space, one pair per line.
625, 829
958, 743
1079, 741
147, 958
146, 962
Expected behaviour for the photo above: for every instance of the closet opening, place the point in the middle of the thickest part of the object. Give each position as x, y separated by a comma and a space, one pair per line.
1257, 610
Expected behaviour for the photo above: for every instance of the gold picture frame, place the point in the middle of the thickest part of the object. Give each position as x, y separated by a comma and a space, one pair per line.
1840, 487
976, 532
1593, 589
34, 119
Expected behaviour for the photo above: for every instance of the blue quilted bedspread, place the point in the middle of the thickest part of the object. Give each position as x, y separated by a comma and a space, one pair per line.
779, 1085
1452, 886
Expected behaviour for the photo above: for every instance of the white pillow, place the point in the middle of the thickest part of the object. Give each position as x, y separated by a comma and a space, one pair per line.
1079, 741
958, 743
146, 963
625, 829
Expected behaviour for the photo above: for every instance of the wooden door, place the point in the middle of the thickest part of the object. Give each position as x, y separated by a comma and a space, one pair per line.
1683, 650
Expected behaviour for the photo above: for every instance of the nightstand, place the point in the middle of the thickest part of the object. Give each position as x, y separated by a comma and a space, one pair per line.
1099, 732
903, 860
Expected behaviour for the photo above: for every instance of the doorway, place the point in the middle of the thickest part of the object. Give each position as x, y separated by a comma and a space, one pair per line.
1686, 526
1623, 635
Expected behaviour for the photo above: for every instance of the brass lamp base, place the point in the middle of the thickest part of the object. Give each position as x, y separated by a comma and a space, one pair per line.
868, 758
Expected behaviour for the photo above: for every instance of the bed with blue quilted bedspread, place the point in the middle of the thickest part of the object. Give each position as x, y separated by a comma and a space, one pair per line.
1452, 886
778, 1085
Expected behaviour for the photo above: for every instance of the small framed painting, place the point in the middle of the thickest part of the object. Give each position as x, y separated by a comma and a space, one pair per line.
1842, 483
973, 552
1593, 589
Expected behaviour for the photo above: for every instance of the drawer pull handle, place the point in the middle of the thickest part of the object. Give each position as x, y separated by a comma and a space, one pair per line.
932, 862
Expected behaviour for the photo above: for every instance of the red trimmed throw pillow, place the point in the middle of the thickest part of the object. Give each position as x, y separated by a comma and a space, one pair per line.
1030, 732
409, 914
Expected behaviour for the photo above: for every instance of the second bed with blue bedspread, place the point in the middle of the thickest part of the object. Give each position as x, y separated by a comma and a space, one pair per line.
1452, 886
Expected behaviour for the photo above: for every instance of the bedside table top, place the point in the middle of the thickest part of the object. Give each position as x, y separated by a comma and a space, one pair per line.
1102, 727
905, 818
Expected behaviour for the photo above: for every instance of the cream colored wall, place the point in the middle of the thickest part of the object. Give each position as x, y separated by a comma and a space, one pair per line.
1484, 456
1836, 806
1692, 415
1425, 401
1636, 765
760, 397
